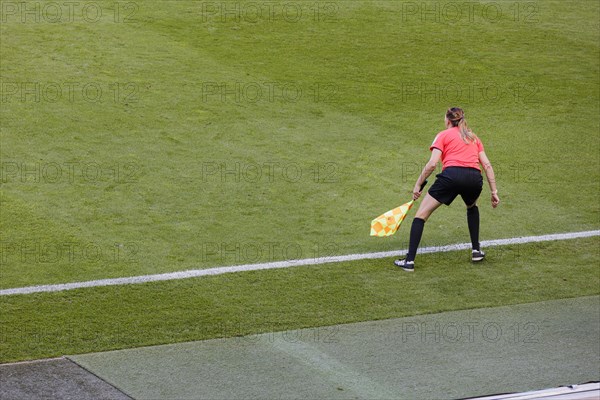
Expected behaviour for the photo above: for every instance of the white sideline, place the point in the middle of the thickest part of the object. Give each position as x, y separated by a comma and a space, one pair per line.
284, 264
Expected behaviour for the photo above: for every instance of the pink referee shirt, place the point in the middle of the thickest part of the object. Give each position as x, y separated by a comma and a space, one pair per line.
455, 152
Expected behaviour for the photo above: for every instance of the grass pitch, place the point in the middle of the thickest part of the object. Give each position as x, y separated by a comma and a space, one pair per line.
162, 136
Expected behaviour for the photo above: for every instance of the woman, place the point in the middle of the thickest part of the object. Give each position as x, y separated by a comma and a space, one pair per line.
461, 153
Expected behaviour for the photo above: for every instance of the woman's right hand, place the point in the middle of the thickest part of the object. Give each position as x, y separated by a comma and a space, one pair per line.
416, 191
495, 199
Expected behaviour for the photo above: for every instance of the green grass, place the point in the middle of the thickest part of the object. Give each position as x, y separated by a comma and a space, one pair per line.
358, 145
97, 319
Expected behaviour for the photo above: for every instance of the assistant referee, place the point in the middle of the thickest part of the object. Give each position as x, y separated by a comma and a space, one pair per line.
461, 153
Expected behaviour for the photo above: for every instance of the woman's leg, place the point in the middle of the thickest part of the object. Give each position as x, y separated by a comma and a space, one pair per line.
473, 223
427, 206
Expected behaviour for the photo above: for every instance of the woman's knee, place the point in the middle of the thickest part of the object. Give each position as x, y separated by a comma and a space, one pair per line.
472, 205
424, 215
427, 207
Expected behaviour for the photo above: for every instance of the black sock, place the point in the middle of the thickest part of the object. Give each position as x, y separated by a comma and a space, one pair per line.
473, 222
416, 231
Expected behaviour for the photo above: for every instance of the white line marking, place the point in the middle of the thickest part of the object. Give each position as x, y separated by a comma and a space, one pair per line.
285, 264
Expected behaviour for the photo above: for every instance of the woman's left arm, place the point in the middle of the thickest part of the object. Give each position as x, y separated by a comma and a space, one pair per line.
431, 165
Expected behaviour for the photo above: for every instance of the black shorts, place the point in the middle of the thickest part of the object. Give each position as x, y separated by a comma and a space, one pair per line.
453, 181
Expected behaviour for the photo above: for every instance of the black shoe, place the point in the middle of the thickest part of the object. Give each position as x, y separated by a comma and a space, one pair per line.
477, 255
408, 266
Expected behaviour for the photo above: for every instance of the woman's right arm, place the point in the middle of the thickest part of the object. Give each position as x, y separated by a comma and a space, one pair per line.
491, 178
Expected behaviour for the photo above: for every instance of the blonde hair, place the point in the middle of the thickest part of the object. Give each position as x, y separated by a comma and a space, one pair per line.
456, 116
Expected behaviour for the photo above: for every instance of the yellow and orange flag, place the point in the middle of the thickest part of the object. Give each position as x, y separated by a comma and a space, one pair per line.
388, 223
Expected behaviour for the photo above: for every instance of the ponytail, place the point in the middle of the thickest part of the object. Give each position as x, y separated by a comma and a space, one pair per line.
465, 133
456, 116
